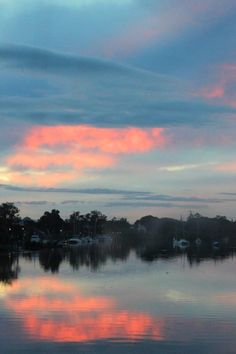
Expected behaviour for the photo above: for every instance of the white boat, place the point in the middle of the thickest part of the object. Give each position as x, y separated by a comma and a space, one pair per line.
35, 239
215, 245
74, 242
198, 242
81, 241
182, 244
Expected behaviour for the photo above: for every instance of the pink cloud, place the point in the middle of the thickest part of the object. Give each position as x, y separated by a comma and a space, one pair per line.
107, 140
222, 90
229, 167
213, 92
141, 34
33, 158
51, 155
165, 22
43, 178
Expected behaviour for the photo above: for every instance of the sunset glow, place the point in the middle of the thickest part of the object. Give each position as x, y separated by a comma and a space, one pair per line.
73, 149
135, 96
117, 176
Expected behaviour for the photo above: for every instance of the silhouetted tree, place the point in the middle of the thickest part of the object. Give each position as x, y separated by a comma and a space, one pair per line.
117, 225
97, 221
9, 220
89, 224
51, 222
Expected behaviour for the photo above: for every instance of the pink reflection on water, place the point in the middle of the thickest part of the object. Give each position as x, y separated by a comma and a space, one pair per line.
59, 312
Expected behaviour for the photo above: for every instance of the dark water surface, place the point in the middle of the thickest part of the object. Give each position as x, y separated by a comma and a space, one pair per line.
91, 301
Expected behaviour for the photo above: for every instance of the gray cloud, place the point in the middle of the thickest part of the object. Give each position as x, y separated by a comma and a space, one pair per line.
33, 203
73, 202
92, 191
128, 197
45, 61
66, 110
75, 90
142, 204
168, 198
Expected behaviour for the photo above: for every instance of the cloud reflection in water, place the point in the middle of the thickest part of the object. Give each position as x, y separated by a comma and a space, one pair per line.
59, 312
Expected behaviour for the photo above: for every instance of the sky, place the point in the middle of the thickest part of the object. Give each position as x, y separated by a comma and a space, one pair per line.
124, 106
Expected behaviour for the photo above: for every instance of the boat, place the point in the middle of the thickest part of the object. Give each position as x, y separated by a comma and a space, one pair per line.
215, 245
35, 242
35, 239
74, 242
81, 241
198, 242
182, 244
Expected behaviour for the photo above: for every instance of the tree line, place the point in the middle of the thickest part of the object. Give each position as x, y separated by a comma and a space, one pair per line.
52, 226
196, 226
155, 230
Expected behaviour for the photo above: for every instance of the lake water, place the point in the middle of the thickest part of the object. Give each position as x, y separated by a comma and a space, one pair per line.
97, 301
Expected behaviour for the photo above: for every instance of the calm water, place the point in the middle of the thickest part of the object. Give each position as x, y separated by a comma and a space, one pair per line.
97, 301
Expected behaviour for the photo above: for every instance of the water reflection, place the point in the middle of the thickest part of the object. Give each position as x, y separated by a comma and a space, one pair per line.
50, 260
93, 257
194, 255
58, 312
119, 295
9, 267
96, 256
